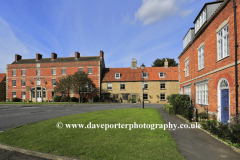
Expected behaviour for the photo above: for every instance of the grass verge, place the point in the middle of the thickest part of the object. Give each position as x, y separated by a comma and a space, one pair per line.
98, 143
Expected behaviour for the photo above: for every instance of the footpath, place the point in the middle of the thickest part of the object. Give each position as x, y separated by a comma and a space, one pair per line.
195, 143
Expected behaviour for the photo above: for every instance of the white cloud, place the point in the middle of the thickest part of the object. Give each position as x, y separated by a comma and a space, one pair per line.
10, 45
185, 13
155, 10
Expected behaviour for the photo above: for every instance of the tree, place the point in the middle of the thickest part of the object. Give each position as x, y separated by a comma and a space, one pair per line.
160, 62
81, 83
65, 84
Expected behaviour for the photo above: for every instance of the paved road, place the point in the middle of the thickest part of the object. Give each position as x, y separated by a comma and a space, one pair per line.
16, 115
196, 144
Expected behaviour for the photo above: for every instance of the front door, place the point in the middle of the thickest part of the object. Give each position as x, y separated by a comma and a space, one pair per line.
134, 97
224, 106
39, 96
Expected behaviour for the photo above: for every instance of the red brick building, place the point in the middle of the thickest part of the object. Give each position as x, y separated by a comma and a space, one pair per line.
2, 87
207, 63
35, 79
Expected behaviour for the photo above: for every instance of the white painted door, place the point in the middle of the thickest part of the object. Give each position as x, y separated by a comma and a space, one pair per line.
39, 97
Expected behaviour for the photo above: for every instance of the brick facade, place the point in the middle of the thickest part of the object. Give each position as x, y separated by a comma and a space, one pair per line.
214, 71
2, 87
46, 76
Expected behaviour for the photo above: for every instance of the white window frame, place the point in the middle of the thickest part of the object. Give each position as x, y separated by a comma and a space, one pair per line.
54, 71
145, 75
14, 85
202, 92
62, 71
187, 90
144, 84
161, 75
23, 95
109, 86
13, 72
80, 69
201, 58
55, 82
117, 76
38, 72
223, 43
14, 95
89, 69
187, 67
24, 72
24, 82
38, 82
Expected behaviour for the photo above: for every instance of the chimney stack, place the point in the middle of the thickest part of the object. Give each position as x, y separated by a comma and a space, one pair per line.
17, 57
166, 63
38, 56
77, 55
54, 55
134, 63
101, 54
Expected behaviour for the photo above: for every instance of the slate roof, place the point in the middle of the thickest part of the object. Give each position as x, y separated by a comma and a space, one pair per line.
131, 75
57, 60
2, 76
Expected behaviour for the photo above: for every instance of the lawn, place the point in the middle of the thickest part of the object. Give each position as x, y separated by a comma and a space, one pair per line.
98, 143
51, 103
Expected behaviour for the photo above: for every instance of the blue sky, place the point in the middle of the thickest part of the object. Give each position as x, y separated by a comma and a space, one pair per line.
123, 29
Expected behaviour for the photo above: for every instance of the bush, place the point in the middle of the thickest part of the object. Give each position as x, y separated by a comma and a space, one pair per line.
64, 99
16, 99
74, 99
130, 99
57, 98
96, 98
168, 108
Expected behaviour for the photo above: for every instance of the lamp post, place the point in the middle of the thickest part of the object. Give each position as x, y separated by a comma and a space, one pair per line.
142, 68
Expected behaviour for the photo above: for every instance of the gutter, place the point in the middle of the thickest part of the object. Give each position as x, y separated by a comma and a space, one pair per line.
236, 67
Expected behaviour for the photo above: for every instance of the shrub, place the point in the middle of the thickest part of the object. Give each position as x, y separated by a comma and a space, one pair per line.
73, 99
16, 99
169, 108
96, 98
64, 99
57, 98
130, 99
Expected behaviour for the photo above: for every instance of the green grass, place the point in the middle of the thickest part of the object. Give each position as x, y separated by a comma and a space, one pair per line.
98, 143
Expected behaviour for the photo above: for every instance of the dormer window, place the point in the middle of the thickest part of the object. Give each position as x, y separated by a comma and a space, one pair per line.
117, 75
144, 75
161, 74
200, 20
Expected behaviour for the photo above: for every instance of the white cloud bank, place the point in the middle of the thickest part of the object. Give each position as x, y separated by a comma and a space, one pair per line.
156, 10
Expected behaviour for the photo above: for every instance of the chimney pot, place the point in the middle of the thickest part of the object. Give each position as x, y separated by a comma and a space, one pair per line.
17, 57
54, 55
38, 56
77, 55
101, 54
134, 63
166, 63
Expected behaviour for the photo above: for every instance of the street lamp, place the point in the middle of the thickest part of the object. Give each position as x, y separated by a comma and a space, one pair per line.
142, 68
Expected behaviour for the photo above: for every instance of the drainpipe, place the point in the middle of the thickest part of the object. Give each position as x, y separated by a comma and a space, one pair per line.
236, 46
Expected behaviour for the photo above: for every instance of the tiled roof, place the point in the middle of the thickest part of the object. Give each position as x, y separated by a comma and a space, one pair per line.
2, 76
128, 74
57, 60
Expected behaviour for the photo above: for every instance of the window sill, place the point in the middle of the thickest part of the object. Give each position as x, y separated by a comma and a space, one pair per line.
203, 104
109, 89
122, 89
186, 76
161, 77
222, 59
200, 69
162, 99
23, 86
162, 88
13, 86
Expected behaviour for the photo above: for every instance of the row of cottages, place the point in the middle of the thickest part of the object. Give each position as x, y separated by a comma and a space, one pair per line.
35, 79
151, 84
207, 63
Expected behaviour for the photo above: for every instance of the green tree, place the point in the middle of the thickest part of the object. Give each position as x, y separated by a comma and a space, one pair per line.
82, 83
65, 84
160, 62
